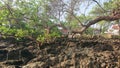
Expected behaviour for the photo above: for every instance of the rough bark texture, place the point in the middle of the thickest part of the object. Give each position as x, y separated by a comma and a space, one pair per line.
98, 19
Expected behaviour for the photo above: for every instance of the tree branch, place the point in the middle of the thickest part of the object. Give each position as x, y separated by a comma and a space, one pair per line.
100, 6
106, 18
96, 20
77, 20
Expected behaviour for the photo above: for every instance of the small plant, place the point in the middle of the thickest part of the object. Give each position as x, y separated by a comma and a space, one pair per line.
41, 38
21, 33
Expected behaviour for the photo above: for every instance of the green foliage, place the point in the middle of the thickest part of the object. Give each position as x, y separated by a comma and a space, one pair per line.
22, 19
41, 38
21, 33
89, 31
47, 37
107, 9
108, 6
112, 4
55, 34
99, 11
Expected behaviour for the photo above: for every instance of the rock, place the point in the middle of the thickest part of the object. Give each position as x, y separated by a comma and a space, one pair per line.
61, 58
9, 66
26, 56
14, 62
52, 58
35, 65
3, 45
3, 55
36, 59
103, 65
103, 47
14, 55
88, 54
63, 64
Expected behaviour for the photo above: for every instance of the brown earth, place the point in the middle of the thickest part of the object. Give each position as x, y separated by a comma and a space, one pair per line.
62, 53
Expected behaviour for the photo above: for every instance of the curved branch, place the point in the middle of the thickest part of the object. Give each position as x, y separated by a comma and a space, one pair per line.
106, 18
96, 20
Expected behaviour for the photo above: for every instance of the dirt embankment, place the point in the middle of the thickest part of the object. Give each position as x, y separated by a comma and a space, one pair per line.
62, 53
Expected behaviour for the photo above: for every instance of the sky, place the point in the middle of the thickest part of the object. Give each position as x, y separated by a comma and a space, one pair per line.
89, 5
86, 6
89, 8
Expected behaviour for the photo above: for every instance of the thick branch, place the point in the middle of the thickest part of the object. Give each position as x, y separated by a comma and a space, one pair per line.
106, 18
96, 20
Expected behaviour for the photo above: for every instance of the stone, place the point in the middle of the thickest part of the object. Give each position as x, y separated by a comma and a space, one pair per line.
13, 55
3, 55
26, 56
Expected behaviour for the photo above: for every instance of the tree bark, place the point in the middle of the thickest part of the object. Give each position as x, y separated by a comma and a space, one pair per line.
96, 20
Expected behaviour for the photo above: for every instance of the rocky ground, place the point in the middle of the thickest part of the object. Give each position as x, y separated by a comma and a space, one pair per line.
62, 53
